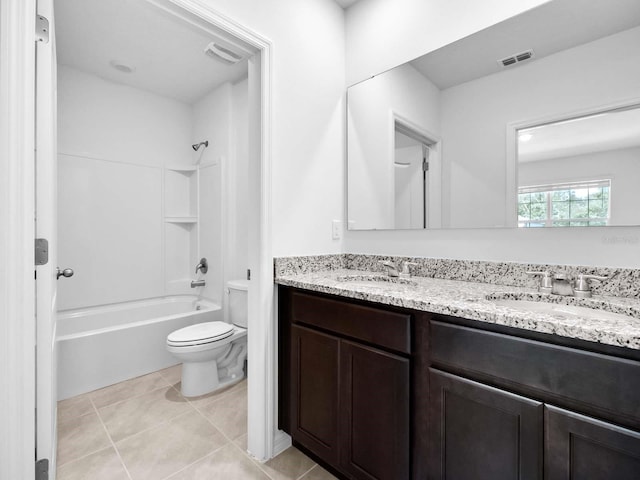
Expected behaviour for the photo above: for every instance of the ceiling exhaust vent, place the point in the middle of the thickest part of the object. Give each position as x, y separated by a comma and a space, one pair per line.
219, 52
517, 58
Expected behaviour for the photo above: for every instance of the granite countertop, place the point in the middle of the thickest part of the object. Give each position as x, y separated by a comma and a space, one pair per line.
472, 300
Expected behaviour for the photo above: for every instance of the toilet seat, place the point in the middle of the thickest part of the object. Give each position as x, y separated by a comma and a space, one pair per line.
199, 334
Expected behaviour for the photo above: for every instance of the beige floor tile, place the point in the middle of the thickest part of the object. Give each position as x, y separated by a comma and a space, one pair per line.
242, 442
228, 413
102, 465
318, 473
80, 436
142, 412
168, 448
128, 389
172, 374
74, 407
212, 397
227, 463
289, 465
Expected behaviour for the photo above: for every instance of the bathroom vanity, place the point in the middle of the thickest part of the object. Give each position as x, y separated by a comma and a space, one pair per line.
375, 390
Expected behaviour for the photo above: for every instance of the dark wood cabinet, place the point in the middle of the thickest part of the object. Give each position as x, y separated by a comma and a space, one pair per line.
314, 396
375, 392
580, 447
482, 433
349, 372
375, 412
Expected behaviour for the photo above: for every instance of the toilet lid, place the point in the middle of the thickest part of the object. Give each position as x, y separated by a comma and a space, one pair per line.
200, 333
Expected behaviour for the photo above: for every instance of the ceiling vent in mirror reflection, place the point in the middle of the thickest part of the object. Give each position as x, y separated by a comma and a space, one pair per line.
221, 53
517, 58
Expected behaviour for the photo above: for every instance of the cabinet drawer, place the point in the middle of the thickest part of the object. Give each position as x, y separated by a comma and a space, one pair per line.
376, 326
598, 383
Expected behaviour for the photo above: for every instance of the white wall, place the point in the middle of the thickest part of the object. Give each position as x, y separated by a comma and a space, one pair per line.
403, 92
382, 34
212, 120
308, 116
237, 231
113, 141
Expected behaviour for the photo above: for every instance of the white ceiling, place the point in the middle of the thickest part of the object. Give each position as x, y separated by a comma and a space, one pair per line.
550, 28
167, 53
597, 133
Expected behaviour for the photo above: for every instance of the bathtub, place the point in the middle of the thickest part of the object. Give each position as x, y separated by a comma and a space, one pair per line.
100, 346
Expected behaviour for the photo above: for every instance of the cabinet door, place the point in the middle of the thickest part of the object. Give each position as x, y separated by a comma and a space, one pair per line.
579, 447
314, 392
480, 432
375, 413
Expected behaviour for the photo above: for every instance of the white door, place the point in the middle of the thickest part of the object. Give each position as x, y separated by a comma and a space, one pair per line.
46, 198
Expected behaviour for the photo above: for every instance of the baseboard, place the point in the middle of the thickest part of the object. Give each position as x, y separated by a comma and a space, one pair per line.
281, 441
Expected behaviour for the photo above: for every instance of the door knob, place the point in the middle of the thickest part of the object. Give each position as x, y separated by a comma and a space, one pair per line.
67, 272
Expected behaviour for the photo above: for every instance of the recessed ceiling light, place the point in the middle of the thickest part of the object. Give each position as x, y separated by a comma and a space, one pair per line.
122, 67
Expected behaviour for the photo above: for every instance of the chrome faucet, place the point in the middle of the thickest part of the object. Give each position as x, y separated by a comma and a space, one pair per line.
406, 273
392, 269
203, 266
197, 283
582, 288
561, 285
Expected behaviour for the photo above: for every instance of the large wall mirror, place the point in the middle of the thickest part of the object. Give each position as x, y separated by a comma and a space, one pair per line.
533, 122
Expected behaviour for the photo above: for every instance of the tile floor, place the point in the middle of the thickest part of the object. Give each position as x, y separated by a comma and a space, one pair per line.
144, 429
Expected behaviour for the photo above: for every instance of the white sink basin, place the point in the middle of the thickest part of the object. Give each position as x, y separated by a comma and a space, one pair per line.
380, 281
560, 309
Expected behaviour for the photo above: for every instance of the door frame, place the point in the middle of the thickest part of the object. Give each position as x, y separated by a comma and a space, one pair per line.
17, 289
17, 231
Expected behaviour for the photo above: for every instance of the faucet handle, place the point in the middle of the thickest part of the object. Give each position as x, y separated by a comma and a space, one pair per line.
203, 266
406, 273
582, 287
546, 283
392, 269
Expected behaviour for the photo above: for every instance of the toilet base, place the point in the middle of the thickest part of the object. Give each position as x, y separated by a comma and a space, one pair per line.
201, 378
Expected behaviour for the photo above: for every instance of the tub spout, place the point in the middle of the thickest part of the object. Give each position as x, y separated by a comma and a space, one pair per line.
197, 283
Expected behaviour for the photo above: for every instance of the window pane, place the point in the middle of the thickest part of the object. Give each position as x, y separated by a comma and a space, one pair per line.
524, 211
538, 211
597, 209
580, 193
539, 197
560, 195
560, 210
524, 197
579, 209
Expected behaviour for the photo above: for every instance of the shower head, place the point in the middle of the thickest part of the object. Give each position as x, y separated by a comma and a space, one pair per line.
196, 146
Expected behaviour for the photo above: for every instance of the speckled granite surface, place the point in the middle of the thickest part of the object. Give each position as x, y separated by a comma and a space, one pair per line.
623, 282
471, 299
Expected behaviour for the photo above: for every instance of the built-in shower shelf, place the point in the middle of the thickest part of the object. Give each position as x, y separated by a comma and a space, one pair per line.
182, 168
181, 219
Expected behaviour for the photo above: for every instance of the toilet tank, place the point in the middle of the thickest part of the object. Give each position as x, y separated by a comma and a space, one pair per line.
238, 302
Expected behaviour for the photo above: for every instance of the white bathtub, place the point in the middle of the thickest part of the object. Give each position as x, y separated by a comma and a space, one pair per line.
100, 346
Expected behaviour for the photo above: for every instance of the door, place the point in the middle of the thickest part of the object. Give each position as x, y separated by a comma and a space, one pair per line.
482, 433
374, 433
46, 375
579, 447
314, 391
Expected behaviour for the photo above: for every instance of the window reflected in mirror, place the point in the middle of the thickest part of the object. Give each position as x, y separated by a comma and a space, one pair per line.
581, 171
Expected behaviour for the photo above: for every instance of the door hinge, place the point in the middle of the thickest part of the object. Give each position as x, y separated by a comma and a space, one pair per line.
42, 29
42, 469
425, 166
41, 251
248, 274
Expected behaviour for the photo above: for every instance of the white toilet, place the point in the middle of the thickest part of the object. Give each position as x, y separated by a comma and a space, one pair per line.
213, 353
